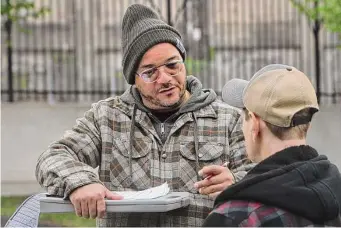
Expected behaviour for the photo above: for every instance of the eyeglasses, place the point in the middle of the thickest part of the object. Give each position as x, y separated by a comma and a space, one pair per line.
172, 68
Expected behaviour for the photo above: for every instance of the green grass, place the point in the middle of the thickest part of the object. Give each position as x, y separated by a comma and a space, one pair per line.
9, 205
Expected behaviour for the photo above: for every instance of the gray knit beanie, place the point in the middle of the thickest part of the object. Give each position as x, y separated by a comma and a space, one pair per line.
142, 28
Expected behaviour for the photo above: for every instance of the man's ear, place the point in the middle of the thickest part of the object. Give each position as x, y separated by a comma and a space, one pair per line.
255, 126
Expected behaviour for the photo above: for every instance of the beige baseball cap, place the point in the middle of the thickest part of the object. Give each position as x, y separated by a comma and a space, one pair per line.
275, 93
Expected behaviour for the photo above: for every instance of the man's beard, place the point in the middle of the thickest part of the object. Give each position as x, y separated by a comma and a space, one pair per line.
164, 104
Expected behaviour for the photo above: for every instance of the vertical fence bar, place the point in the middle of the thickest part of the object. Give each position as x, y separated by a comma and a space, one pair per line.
337, 83
252, 39
92, 84
213, 46
99, 55
297, 32
74, 48
20, 57
70, 56
50, 84
284, 45
333, 81
81, 28
67, 53
19, 29
106, 25
316, 31
169, 12
36, 65
8, 26
237, 43
23, 64
246, 41
326, 82
228, 33
118, 82
30, 56
212, 68
43, 32
60, 52
109, 69
88, 49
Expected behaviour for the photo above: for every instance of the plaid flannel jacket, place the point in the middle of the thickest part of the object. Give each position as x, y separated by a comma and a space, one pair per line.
102, 138
239, 213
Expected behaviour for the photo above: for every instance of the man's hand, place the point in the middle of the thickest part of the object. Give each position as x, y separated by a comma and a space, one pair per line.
88, 200
218, 178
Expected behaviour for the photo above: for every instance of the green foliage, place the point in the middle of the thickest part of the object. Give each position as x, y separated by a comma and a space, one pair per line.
195, 66
212, 53
326, 11
21, 9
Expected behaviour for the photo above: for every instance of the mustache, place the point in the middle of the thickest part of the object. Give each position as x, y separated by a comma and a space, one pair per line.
166, 86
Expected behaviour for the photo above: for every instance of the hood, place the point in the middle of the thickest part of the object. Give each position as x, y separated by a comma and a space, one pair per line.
199, 97
296, 179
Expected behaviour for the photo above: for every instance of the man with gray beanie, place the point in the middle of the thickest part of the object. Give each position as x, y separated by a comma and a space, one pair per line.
292, 185
164, 128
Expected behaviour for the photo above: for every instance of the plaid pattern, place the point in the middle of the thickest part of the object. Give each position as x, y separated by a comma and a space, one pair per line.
239, 213
102, 138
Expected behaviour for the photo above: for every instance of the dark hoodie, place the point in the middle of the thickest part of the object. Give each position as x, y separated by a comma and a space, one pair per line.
295, 183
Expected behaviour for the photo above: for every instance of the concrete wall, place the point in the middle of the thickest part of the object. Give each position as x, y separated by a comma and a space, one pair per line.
26, 131
28, 128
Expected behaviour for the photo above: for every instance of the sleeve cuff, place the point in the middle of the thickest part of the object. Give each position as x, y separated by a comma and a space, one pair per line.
78, 180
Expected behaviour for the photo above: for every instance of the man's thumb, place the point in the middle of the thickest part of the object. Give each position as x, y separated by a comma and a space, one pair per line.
112, 196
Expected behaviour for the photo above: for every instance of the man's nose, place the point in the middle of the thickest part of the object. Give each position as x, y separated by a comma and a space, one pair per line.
164, 77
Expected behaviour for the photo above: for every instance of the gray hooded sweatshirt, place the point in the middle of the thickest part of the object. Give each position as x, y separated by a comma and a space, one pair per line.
199, 98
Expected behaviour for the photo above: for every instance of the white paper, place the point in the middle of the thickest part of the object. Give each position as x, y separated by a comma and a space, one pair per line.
150, 193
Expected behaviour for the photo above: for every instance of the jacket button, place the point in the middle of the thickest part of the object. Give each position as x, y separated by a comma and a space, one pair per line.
200, 155
164, 156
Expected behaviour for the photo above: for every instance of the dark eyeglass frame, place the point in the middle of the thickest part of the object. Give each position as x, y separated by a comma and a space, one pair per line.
155, 69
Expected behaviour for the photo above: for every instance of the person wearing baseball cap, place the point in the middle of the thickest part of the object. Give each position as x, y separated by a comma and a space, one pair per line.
292, 184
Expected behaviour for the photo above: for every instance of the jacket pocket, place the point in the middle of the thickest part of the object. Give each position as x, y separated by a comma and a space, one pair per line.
208, 154
120, 175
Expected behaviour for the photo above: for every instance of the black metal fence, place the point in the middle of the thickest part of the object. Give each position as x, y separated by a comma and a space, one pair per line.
74, 52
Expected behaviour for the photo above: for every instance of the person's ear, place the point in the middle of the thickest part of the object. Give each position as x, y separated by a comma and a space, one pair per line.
255, 126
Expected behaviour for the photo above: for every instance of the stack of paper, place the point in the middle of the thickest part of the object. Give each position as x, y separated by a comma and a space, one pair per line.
150, 193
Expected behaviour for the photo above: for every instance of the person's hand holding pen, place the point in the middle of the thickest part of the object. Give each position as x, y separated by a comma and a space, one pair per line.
216, 179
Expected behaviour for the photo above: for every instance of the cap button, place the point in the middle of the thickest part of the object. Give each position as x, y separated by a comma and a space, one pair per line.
289, 69
164, 156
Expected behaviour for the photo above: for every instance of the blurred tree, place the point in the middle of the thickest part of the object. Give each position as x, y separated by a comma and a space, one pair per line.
327, 12
16, 10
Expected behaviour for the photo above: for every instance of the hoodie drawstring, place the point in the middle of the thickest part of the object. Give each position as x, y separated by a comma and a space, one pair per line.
196, 145
132, 126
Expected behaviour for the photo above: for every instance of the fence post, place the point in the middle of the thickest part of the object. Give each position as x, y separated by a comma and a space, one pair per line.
8, 26
316, 30
169, 12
